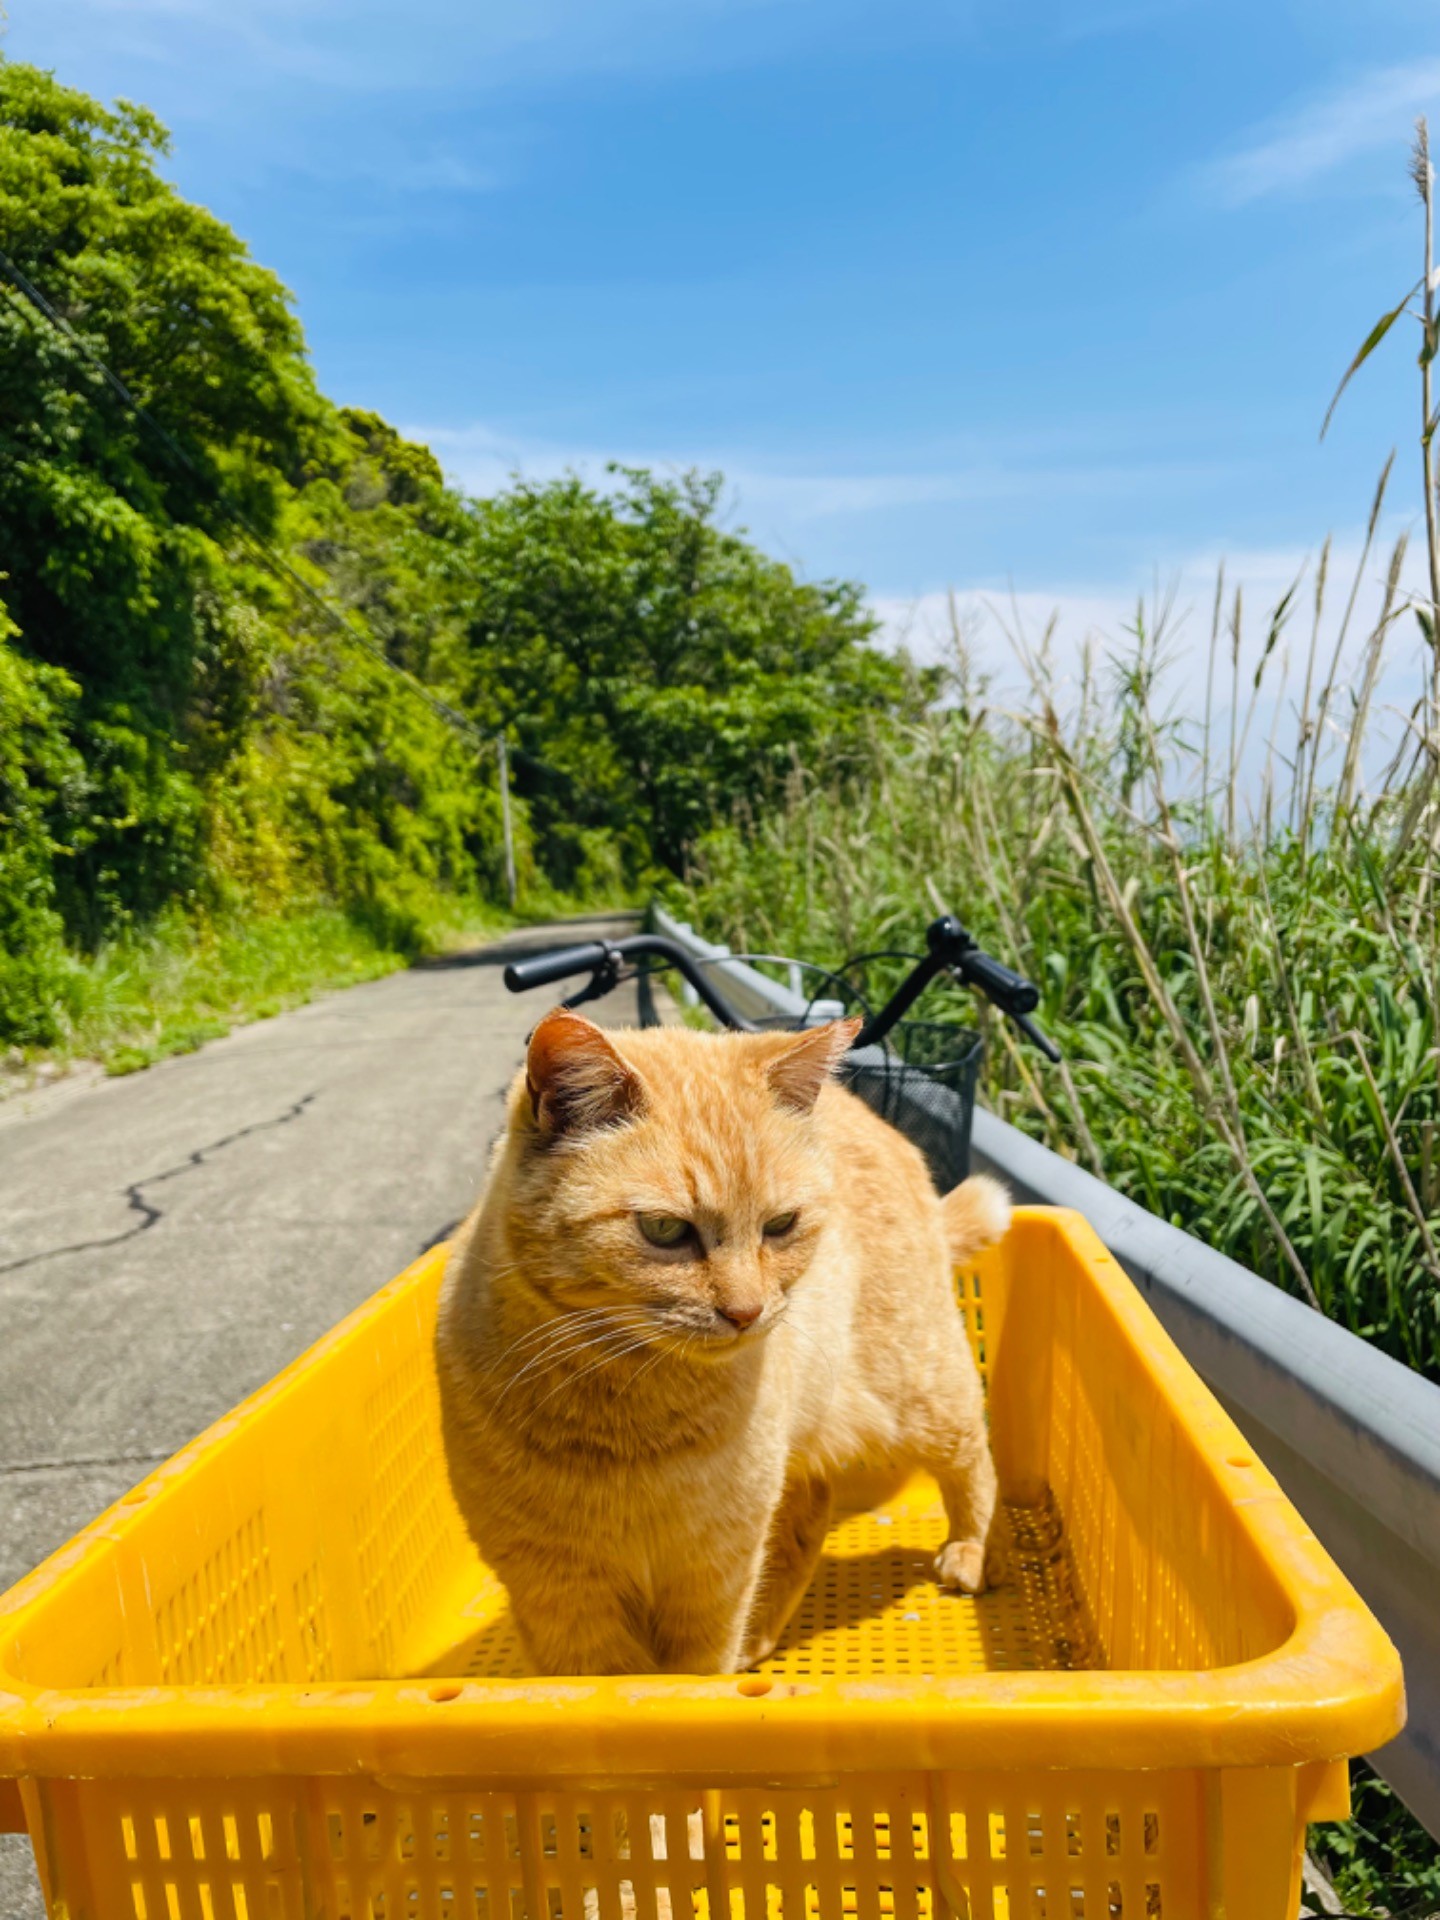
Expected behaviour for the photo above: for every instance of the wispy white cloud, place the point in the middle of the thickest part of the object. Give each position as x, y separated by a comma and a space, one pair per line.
439, 173
1078, 24
1372, 112
1100, 618
395, 173
482, 459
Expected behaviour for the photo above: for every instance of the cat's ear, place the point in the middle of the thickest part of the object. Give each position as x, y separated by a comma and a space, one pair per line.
797, 1075
576, 1079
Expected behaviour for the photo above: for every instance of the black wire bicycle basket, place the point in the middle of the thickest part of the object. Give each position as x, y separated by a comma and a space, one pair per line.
929, 1097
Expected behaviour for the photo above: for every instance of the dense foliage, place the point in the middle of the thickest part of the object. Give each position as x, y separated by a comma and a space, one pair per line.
181, 726
653, 668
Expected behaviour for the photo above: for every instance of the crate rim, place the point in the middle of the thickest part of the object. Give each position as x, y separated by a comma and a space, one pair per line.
1333, 1687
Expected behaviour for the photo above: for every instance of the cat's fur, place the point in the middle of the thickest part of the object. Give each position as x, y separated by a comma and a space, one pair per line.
650, 1478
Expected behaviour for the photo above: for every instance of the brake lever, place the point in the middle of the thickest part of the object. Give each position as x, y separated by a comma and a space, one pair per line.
1003, 1003
603, 980
1038, 1039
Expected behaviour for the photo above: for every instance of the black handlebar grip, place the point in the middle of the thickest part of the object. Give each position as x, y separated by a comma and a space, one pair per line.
545, 968
1011, 992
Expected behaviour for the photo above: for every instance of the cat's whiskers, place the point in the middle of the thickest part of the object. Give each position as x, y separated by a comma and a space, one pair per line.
605, 1360
571, 1342
567, 1340
552, 1329
664, 1353
534, 1285
551, 1324
556, 1329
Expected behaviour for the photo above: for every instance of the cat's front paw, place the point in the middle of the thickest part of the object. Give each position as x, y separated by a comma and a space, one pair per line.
960, 1566
755, 1650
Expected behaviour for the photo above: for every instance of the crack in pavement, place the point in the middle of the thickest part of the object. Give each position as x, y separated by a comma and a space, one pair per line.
135, 1193
91, 1460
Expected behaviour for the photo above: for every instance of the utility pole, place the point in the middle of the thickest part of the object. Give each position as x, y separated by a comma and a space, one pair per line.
504, 753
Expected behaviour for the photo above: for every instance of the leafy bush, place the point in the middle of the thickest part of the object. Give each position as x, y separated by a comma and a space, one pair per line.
1382, 1860
43, 790
113, 547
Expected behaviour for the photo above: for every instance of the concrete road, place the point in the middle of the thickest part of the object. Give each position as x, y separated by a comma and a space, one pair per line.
169, 1241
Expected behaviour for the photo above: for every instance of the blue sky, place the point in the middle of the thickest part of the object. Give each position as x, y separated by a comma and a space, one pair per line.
980, 296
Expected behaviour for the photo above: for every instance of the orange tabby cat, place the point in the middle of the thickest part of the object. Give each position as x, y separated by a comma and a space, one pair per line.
701, 1280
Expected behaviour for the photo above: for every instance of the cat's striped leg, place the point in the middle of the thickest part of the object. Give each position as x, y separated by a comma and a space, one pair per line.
583, 1619
966, 1475
797, 1533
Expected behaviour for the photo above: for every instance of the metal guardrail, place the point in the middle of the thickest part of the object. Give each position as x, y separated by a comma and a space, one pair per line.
746, 988
1351, 1435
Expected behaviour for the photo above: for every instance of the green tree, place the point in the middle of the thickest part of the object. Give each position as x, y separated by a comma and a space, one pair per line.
653, 668
114, 548
236, 748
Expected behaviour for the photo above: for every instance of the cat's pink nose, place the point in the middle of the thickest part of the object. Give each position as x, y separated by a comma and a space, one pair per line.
741, 1317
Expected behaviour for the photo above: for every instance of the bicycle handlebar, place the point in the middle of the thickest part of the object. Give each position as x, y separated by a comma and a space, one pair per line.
1009, 991
601, 959
951, 950
546, 968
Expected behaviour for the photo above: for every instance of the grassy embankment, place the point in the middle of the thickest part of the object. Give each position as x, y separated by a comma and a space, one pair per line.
179, 983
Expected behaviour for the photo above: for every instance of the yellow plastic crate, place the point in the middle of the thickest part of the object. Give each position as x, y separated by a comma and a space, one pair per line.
275, 1681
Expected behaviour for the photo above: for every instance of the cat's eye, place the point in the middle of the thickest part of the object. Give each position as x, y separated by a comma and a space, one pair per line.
664, 1229
781, 1224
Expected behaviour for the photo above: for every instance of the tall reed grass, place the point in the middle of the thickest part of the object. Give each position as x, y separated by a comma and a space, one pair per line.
1245, 986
